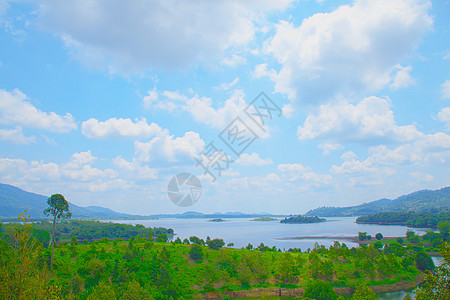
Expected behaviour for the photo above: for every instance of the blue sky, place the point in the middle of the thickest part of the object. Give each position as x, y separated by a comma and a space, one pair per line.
105, 101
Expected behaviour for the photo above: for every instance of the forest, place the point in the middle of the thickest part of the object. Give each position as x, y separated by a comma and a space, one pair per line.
302, 219
148, 266
412, 219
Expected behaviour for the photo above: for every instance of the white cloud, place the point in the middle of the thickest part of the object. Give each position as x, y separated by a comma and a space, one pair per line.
78, 171
119, 128
114, 184
446, 89
327, 148
229, 85
202, 110
129, 36
355, 48
16, 110
296, 172
135, 168
253, 159
81, 158
167, 148
402, 78
88, 173
16, 136
80, 168
370, 121
425, 150
165, 100
234, 61
422, 176
444, 116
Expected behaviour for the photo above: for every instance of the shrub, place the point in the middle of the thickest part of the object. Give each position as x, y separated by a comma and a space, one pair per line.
319, 290
216, 244
196, 252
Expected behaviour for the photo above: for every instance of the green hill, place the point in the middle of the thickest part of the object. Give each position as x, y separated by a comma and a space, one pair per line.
420, 201
14, 201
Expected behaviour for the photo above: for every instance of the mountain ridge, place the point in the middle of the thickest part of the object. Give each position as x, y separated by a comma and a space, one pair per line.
14, 200
431, 201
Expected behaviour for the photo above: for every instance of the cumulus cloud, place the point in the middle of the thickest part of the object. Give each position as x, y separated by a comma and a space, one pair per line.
370, 121
16, 110
202, 110
383, 160
328, 147
129, 36
119, 128
402, 78
16, 136
355, 48
167, 148
135, 169
78, 171
253, 159
294, 172
444, 116
80, 168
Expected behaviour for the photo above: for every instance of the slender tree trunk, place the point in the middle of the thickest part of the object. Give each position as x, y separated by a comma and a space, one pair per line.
53, 239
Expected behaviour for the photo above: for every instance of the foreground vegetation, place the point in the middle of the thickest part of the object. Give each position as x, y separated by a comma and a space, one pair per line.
145, 268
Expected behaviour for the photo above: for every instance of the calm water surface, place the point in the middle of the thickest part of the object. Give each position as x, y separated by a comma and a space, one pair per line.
242, 231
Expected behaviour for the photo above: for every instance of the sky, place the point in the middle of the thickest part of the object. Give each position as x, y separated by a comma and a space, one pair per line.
274, 106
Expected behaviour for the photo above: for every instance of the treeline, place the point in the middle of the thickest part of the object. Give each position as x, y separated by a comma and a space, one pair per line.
92, 231
302, 219
412, 219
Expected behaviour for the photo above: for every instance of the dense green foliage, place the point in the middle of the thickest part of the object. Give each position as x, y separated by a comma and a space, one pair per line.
437, 283
302, 219
141, 268
92, 231
320, 290
421, 201
406, 218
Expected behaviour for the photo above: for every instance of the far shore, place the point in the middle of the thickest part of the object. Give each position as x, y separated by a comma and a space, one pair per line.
353, 239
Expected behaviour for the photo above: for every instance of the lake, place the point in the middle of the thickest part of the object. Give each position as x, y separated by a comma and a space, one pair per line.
242, 231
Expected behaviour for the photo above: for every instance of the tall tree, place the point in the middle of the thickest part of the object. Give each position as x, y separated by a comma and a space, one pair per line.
437, 284
58, 207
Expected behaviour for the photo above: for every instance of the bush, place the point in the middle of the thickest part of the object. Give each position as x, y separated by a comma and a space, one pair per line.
364, 293
378, 245
424, 262
319, 290
379, 236
216, 244
400, 240
196, 252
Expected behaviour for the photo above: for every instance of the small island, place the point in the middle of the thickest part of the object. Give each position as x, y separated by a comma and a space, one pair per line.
217, 220
301, 219
264, 219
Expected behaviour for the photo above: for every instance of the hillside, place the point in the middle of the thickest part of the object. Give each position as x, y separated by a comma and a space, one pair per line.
14, 201
420, 201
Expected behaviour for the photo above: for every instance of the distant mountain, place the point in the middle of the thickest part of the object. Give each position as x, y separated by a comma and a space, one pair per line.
13, 201
420, 201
